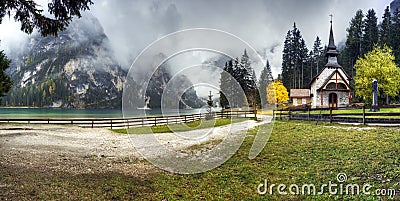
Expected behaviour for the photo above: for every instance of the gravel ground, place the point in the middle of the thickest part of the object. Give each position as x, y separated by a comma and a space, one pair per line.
76, 150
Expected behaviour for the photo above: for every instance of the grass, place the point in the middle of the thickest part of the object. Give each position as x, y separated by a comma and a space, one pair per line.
200, 124
297, 153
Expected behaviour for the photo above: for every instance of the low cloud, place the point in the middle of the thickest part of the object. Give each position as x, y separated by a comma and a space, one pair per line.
132, 25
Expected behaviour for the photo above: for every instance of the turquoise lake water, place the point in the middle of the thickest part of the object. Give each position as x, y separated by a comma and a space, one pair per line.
81, 113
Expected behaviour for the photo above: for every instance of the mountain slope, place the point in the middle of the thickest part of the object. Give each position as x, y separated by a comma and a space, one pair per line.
75, 69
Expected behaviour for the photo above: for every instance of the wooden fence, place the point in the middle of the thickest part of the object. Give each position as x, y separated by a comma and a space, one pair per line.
118, 123
350, 117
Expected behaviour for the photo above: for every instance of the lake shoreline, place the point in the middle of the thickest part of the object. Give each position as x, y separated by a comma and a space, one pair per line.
32, 112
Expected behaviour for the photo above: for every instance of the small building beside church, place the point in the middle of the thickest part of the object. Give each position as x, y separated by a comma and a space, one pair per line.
300, 97
331, 87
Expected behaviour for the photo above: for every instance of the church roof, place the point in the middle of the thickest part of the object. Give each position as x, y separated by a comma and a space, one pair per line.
300, 93
329, 78
347, 75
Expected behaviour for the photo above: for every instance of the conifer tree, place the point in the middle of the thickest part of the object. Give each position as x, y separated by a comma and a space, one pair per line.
354, 36
5, 80
371, 33
294, 59
385, 33
287, 61
317, 57
395, 36
265, 78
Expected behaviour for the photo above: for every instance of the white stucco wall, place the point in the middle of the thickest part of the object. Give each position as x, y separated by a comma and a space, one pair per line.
343, 97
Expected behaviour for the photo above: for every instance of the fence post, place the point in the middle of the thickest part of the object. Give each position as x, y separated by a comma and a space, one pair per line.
309, 114
245, 116
155, 121
320, 115
92, 123
48, 121
142, 121
290, 114
127, 121
111, 124
255, 114
273, 114
330, 114
185, 118
167, 120
363, 114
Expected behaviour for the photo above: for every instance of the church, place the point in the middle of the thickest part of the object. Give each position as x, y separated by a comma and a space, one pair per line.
331, 87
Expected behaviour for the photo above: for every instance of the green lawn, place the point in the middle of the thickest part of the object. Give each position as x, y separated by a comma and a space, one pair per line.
297, 153
200, 124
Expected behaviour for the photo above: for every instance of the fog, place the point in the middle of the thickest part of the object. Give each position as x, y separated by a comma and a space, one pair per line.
132, 25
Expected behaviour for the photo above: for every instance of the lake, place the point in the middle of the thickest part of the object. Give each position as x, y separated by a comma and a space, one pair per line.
80, 113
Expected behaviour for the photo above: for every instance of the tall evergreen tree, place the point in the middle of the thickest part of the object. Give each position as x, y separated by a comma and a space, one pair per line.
295, 55
355, 34
5, 80
295, 51
247, 79
371, 32
304, 78
247, 72
224, 92
265, 78
385, 31
317, 57
395, 36
353, 43
287, 61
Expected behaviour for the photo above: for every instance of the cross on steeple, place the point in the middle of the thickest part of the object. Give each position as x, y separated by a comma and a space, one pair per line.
332, 53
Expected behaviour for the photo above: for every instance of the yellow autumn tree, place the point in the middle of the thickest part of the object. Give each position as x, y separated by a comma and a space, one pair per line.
377, 64
277, 93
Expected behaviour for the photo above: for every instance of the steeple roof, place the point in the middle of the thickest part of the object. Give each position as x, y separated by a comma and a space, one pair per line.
332, 52
331, 39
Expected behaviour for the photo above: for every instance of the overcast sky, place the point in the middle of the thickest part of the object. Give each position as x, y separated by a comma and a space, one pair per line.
131, 25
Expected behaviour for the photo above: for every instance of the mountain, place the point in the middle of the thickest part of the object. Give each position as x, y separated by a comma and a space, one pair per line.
76, 69
180, 86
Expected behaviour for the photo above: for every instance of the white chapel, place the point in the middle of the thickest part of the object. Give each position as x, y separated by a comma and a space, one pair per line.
331, 87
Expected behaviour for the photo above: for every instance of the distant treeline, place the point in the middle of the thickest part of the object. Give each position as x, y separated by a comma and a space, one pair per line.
238, 83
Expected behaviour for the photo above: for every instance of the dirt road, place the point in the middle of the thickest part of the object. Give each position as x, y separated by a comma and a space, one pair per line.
85, 150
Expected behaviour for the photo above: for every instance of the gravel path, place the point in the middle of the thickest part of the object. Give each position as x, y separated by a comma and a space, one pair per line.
80, 150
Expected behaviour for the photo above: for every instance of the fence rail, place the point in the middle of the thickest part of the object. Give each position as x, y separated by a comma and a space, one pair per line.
118, 123
362, 117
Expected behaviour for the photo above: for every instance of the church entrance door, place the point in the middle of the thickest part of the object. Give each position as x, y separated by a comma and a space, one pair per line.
333, 100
